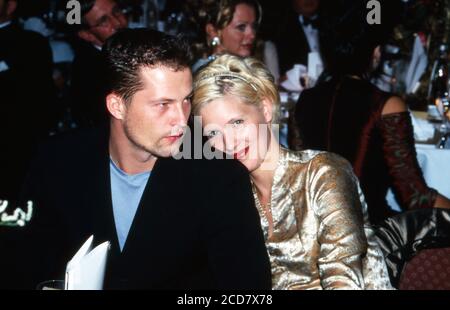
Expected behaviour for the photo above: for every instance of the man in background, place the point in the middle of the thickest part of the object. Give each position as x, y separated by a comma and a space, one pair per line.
299, 34
100, 19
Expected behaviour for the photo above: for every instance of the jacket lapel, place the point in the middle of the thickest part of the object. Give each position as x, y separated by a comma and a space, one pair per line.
100, 199
147, 202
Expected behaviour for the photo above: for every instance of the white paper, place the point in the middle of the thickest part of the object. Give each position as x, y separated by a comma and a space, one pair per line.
86, 270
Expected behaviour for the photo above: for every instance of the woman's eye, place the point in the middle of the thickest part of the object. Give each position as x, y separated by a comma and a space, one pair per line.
238, 122
212, 134
241, 27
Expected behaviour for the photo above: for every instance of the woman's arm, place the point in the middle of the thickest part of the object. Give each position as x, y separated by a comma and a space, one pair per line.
335, 199
400, 155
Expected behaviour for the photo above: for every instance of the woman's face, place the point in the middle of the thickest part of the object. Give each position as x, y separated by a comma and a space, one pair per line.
238, 129
238, 37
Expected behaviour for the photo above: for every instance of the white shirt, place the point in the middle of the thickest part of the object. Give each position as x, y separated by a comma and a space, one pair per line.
312, 34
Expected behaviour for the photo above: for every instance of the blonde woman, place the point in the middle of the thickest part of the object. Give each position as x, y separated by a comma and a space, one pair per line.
312, 211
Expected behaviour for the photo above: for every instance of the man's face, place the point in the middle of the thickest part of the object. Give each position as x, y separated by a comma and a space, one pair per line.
156, 117
306, 7
103, 20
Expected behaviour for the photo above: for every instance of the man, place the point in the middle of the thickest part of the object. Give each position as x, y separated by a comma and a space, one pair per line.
172, 223
100, 19
298, 35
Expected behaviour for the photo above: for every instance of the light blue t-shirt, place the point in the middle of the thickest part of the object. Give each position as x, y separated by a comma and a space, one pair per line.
126, 192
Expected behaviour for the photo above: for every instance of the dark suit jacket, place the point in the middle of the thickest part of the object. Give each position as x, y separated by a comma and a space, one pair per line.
292, 45
27, 98
196, 225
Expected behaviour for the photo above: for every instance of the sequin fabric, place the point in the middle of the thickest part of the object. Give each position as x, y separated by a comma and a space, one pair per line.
321, 236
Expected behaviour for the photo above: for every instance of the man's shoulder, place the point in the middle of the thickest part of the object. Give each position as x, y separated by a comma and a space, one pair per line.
75, 144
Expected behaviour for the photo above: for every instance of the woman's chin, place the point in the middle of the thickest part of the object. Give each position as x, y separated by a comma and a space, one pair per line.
250, 164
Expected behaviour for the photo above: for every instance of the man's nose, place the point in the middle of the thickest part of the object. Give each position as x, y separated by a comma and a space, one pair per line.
180, 115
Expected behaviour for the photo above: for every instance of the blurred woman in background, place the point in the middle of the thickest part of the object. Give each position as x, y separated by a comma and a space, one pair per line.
349, 116
231, 26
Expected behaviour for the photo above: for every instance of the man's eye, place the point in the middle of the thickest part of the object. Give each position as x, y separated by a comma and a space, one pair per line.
117, 11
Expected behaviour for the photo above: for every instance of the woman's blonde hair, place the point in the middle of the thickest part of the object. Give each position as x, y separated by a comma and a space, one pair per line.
245, 78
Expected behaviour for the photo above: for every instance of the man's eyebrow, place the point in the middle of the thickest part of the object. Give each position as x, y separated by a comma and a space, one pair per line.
162, 99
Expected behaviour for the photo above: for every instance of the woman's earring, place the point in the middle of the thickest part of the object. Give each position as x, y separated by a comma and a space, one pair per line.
215, 41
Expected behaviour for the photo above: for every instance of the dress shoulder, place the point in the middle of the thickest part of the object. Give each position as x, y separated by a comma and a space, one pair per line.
315, 159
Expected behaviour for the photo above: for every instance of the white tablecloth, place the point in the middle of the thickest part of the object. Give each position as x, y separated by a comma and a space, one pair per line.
435, 164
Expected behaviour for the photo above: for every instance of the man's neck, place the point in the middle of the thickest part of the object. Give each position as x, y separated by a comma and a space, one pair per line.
128, 157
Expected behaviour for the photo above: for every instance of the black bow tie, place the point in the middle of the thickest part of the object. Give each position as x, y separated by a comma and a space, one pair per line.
309, 21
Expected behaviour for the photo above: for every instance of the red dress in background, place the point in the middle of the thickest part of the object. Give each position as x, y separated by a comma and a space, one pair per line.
344, 117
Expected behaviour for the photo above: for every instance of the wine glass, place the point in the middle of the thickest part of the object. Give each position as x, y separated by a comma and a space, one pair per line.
443, 106
51, 285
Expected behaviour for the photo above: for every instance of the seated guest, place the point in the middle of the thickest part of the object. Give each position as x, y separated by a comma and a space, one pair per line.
312, 211
372, 129
298, 34
27, 111
230, 26
183, 223
99, 20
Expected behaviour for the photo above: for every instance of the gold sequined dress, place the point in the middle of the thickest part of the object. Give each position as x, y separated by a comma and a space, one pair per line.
321, 238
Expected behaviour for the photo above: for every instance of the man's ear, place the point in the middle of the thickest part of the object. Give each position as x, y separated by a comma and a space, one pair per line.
116, 106
267, 107
11, 7
87, 36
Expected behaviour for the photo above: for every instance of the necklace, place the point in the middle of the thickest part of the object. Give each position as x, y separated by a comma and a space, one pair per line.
264, 214
264, 211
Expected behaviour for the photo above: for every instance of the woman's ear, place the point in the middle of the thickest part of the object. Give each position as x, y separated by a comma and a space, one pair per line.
267, 107
211, 31
116, 106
